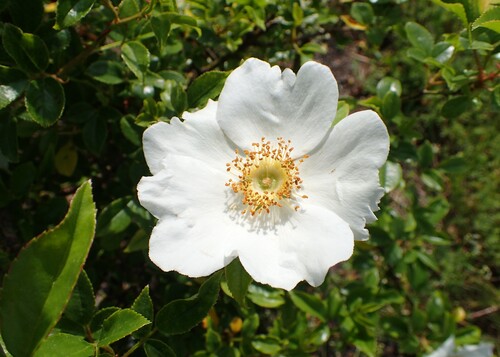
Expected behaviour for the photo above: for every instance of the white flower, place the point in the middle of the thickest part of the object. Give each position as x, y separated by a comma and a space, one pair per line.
262, 176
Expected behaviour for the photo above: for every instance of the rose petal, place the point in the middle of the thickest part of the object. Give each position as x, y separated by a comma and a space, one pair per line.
261, 101
304, 248
199, 136
342, 174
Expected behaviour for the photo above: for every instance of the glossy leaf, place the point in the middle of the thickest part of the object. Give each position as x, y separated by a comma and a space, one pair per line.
114, 218
161, 28
489, 19
45, 101
69, 12
39, 283
28, 51
309, 304
63, 344
180, 316
205, 87
136, 56
238, 280
265, 296
120, 324
109, 72
419, 36
13, 84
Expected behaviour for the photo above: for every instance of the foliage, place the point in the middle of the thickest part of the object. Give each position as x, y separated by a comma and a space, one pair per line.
80, 80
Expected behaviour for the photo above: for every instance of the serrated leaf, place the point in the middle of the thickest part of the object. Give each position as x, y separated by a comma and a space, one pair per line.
136, 56
45, 101
69, 12
489, 19
120, 324
28, 51
144, 306
419, 37
41, 279
456, 8
63, 344
109, 72
238, 280
205, 87
81, 306
182, 315
309, 303
13, 85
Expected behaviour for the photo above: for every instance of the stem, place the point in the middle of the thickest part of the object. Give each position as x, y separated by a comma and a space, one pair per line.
139, 343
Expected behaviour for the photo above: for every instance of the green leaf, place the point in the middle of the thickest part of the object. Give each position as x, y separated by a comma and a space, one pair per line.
157, 348
456, 8
114, 218
388, 84
81, 306
120, 324
489, 19
363, 13
298, 14
144, 306
419, 37
391, 105
391, 175
425, 155
69, 12
28, 51
109, 72
63, 344
161, 28
41, 279
268, 345
45, 101
442, 51
238, 280
205, 87
13, 84
178, 99
342, 112
26, 14
136, 56
454, 165
309, 304
66, 159
265, 296
456, 106
129, 132
180, 316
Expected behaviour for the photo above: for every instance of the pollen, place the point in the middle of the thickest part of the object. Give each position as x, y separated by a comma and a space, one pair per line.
266, 176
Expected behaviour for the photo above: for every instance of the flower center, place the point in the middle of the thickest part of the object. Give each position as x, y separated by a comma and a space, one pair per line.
266, 176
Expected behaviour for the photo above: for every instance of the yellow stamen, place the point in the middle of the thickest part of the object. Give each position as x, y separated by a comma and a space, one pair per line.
267, 176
